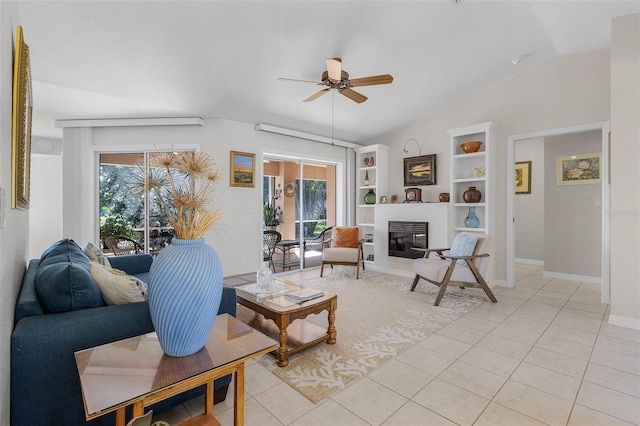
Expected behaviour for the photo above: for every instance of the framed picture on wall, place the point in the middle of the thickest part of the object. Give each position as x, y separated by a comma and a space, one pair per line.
21, 126
579, 169
420, 170
523, 177
243, 169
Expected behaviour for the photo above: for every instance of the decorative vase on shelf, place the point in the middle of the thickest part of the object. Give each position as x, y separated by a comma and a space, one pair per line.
472, 195
472, 221
185, 290
370, 197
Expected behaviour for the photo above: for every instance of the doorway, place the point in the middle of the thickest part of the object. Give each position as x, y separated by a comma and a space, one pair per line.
305, 208
603, 129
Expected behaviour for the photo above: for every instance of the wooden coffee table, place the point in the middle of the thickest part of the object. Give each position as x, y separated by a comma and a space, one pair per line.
293, 332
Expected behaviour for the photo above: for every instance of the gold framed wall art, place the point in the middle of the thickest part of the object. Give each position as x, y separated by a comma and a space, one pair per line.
243, 169
21, 125
523, 177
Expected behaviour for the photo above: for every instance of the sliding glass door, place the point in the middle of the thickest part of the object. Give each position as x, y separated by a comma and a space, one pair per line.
127, 211
303, 192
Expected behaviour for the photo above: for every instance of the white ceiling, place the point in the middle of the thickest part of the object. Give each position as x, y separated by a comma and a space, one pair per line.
221, 59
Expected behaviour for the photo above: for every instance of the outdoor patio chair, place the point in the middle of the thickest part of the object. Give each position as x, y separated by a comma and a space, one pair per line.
121, 245
269, 240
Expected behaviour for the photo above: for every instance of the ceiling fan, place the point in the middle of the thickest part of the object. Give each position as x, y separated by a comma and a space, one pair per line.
335, 78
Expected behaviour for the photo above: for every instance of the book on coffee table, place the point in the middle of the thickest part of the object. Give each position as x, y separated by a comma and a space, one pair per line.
303, 295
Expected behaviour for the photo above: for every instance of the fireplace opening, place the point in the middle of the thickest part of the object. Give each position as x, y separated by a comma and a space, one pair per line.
404, 235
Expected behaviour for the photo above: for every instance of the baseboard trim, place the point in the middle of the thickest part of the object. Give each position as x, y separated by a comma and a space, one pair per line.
572, 277
529, 262
624, 321
502, 283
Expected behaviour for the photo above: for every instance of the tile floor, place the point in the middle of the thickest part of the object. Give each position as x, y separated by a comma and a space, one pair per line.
544, 354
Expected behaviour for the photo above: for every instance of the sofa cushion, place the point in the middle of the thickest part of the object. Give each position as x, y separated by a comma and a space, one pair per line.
116, 287
94, 254
63, 281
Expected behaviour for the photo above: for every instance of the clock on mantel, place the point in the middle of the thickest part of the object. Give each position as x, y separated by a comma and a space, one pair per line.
413, 195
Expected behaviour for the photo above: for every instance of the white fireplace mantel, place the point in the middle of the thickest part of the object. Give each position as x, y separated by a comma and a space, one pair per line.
437, 214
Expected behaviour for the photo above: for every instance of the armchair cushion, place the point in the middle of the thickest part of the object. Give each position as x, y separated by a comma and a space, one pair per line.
346, 237
340, 254
435, 269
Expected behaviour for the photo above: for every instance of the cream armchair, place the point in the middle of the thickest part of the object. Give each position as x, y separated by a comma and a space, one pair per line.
344, 248
463, 265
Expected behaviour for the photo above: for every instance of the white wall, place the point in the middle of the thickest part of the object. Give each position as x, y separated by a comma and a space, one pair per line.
529, 208
237, 236
573, 221
555, 94
14, 235
625, 174
45, 211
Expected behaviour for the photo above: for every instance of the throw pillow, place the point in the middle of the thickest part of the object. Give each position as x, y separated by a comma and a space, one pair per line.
63, 282
346, 237
94, 254
463, 245
116, 286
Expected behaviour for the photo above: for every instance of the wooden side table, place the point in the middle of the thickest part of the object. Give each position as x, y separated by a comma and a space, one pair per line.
135, 372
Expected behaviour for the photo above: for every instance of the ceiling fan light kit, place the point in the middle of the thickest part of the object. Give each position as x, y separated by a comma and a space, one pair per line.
335, 78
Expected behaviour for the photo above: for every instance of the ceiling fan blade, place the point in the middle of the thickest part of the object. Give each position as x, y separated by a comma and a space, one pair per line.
334, 68
370, 81
353, 95
316, 95
300, 81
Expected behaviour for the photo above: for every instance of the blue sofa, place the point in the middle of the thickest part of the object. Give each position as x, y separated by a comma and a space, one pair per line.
45, 387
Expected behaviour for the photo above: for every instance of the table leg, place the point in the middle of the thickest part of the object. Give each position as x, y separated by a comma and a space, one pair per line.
283, 351
238, 396
208, 399
120, 416
331, 331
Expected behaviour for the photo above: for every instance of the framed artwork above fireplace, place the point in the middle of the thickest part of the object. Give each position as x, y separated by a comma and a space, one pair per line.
420, 170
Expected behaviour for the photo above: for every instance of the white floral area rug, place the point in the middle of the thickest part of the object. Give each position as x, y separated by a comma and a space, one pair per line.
378, 317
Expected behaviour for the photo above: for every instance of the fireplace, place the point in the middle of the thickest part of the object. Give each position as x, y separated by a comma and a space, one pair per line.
404, 235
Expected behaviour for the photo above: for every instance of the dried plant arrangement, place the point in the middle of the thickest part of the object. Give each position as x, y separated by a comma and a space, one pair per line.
184, 183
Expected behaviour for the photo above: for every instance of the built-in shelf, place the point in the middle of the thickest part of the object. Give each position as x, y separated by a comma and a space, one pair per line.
371, 163
474, 169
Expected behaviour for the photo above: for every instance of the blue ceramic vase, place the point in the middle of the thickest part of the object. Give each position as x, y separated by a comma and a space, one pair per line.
185, 290
472, 221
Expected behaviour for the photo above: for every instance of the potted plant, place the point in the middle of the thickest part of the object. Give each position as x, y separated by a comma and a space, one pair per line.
188, 270
272, 214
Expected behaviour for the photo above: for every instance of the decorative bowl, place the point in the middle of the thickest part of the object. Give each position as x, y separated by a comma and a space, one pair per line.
471, 146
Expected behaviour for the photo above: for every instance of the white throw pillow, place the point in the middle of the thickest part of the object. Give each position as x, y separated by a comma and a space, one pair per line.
94, 254
117, 287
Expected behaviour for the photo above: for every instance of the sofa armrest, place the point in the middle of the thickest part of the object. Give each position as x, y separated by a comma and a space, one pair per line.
132, 264
45, 388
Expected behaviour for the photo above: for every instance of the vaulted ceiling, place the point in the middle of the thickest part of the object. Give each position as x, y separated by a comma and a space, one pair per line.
221, 59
